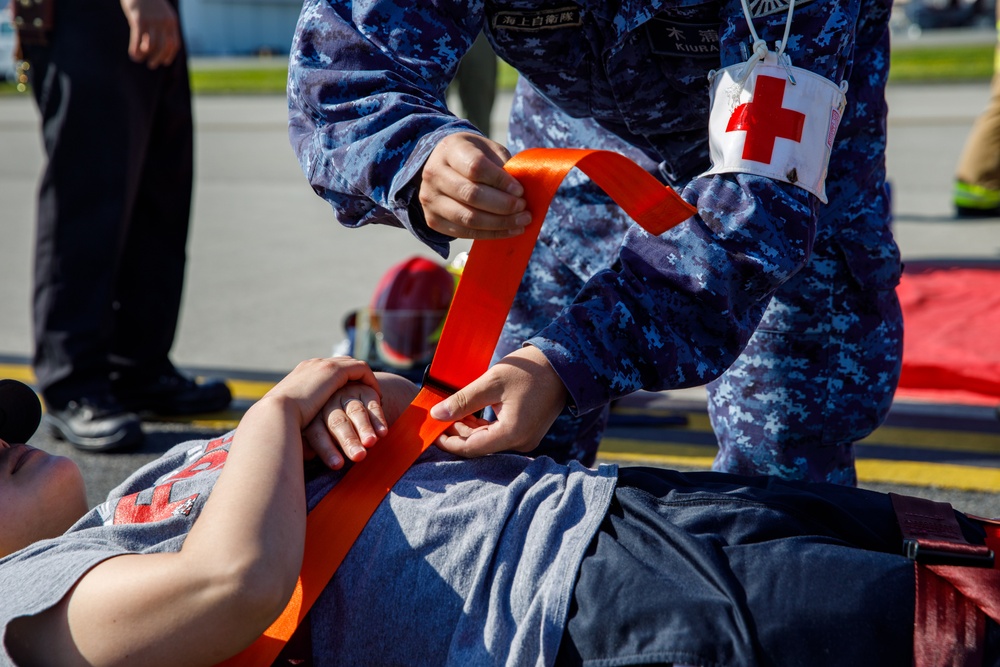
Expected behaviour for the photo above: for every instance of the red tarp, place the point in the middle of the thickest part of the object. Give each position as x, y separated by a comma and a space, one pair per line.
951, 345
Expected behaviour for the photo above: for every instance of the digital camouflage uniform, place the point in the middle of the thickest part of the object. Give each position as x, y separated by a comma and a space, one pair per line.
784, 305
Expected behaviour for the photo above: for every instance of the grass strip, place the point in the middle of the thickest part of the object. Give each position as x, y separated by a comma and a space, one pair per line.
246, 81
944, 64
912, 64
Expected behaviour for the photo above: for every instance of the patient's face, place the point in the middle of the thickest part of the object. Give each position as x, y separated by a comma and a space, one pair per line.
41, 495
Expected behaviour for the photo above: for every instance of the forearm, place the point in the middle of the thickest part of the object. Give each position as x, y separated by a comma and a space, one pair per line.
231, 578
255, 517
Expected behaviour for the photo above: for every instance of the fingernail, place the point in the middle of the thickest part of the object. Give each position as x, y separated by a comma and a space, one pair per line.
441, 412
515, 189
523, 219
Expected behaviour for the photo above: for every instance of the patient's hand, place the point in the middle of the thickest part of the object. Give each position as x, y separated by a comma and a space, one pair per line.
355, 418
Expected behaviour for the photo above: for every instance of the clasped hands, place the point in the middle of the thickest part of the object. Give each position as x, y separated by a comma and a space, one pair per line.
524, 391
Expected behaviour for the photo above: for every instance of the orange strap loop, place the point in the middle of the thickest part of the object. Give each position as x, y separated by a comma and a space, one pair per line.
477, 314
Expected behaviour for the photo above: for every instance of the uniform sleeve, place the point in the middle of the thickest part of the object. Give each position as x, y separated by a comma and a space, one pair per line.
676, 310
366, 90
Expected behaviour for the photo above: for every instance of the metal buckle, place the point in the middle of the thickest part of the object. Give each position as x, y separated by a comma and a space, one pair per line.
913, 550
433, 383
429, 381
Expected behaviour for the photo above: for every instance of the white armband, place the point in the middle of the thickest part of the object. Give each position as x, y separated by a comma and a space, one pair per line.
779, 123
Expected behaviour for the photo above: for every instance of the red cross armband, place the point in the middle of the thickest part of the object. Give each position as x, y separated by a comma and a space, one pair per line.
776, 120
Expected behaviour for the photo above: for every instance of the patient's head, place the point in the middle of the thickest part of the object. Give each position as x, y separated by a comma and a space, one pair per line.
41, 495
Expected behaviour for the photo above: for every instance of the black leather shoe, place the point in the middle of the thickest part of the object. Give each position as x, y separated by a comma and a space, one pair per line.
95, 424
969, 213
172, 394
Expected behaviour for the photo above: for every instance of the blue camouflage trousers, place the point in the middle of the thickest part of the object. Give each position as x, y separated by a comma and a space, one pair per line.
818, 374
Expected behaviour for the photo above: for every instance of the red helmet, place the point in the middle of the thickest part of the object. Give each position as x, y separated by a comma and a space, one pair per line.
408, 310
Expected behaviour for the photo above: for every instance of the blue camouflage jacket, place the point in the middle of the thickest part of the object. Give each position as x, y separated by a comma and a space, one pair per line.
367, 83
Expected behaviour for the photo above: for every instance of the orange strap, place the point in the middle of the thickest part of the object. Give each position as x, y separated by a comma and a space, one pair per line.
489, 281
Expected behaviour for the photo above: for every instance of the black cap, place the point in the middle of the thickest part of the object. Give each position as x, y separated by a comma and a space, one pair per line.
20, 412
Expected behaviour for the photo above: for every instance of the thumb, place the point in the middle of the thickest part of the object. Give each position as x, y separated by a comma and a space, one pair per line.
136, 31
462, 403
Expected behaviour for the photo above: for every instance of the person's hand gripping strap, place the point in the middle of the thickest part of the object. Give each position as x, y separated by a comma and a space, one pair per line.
477, 314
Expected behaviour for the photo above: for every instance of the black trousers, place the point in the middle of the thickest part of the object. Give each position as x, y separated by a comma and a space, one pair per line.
113, 204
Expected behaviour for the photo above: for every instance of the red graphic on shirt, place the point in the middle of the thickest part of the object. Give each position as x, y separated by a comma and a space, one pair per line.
160, 507
764, 120
207, 461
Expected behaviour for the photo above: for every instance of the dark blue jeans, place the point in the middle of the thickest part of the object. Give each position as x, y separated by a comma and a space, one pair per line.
717, 569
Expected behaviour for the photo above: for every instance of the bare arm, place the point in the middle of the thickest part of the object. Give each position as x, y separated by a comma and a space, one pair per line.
236, 569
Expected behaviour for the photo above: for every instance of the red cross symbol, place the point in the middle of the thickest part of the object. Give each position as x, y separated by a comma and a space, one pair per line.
764, 120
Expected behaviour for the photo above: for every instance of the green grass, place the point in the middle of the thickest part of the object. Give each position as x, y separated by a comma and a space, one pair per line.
914, 64
971, 62
263, 80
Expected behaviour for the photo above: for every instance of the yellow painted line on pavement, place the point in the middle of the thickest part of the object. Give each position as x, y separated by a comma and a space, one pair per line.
940, 475
694, 456
669, 460
911, 473
613, 446
20, 373
206, 423
908, 473
249, 390
243, 390
939, 440
886, 436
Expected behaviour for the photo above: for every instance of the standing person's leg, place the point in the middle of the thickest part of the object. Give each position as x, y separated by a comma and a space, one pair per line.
149, 286
89, 120
817, 376
977, 176
150, 283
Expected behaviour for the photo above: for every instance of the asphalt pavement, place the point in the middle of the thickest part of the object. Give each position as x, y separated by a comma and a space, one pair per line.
271, 274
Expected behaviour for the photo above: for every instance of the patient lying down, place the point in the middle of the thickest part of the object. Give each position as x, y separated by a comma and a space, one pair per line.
498, 560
